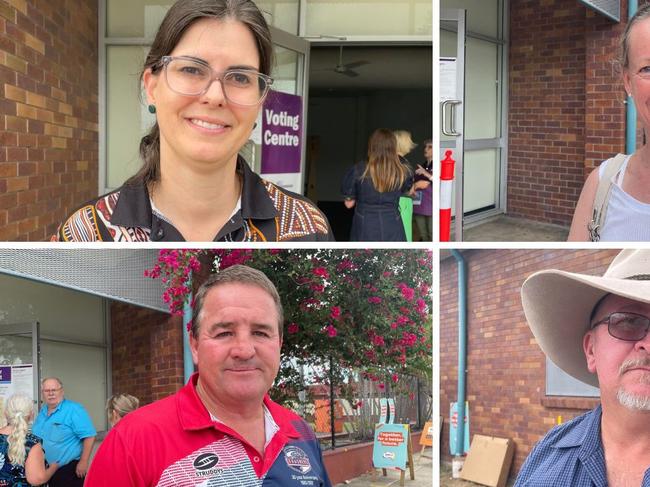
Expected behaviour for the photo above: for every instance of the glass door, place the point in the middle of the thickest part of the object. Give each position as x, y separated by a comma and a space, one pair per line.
20, 360
282, 122
452, 104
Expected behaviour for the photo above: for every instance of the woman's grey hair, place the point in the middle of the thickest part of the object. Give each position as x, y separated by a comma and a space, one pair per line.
237, 274
624, 49
179, 18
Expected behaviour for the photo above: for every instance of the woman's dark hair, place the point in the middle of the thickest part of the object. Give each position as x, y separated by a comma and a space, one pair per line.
179, 18
384, 168
624, 50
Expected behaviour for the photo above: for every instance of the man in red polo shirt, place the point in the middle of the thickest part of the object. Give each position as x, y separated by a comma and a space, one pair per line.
221, 429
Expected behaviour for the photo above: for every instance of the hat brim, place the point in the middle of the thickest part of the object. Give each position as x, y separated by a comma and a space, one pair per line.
558, 305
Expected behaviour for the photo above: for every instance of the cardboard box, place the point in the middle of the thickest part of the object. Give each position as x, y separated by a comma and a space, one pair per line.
488, 461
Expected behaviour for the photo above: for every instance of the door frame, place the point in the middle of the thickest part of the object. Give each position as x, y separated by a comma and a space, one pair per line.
32, 330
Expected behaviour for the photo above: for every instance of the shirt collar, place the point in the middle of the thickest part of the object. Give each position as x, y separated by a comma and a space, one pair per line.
195, 416
585, 434
133, 208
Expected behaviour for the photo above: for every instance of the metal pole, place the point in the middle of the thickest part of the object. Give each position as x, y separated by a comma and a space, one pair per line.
630, 108
332, 402
188, 363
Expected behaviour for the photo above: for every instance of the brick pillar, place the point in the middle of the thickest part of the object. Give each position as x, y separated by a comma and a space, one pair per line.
147, 352
604, 108
48, 113
546, 109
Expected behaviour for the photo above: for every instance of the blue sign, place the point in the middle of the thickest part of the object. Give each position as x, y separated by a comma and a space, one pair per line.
390, 449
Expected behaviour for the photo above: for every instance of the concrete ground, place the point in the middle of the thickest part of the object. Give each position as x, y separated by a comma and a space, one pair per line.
423, 476
446, 479
508, 229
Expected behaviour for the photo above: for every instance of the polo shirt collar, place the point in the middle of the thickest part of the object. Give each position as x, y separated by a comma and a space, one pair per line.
193, 414
58, 407
133, 208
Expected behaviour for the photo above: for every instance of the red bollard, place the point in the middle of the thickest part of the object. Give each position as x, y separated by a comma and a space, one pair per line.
446, 188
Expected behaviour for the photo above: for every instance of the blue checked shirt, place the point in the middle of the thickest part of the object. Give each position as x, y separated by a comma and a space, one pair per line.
570, 454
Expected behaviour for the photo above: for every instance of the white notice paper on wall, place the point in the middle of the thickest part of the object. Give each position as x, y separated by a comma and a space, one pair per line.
447, 78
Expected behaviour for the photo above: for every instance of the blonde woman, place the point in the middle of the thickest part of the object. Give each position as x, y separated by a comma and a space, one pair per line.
119, 405
405, 145
373, 188
24, 460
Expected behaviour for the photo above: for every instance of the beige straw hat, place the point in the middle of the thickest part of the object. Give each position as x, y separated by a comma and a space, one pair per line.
558, 306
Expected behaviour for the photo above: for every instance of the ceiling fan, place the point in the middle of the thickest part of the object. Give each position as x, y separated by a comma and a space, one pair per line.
348, 68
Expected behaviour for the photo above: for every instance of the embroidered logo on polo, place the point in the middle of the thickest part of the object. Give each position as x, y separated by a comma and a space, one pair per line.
205, 465
297, 459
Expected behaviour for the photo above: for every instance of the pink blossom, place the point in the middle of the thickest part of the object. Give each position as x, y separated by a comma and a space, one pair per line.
331, 331
408, 293
411, 395
345, 265
371, 354
387, 274
421, 305
374, 299
321, 272
378, 340
395, 377
393, 325
335, 312
292, 328
317, 288
381, 386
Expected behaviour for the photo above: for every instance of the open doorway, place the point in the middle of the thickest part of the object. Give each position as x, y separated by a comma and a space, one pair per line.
353, 90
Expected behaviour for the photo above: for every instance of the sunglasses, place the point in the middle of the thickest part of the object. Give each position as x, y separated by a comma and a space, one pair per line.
630, 327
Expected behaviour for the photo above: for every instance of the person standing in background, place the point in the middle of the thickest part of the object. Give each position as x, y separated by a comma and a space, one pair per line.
423, 202
68, 434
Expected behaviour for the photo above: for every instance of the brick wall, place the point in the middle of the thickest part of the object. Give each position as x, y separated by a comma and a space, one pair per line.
505, 367
565, 110
48, 113
147, 353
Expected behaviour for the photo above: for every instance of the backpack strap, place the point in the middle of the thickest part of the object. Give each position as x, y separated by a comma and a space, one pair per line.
602, 195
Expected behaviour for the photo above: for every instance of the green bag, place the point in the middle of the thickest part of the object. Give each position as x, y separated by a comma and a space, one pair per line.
406, 211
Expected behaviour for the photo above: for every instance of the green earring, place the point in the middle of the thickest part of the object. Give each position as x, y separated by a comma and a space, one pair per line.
152, 108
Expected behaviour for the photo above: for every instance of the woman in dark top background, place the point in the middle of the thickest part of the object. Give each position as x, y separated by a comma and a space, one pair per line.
373, 188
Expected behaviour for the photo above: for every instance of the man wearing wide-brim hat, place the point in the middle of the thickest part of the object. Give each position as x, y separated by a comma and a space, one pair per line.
596, 329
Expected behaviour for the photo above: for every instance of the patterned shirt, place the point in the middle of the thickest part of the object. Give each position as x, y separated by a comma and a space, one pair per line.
570, 454
268, 213
11, 474
175, 442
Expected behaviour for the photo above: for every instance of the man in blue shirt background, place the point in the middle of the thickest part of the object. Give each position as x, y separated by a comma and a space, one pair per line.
68, 434
596, 329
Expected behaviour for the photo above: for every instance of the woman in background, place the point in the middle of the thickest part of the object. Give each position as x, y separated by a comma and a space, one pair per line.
24, 460
373, 188
119, 405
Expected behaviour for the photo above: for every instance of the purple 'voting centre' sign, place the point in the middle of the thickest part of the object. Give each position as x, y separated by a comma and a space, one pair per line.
281, 133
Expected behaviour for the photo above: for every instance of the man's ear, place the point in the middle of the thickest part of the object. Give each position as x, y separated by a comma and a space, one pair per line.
194, 347
588, 345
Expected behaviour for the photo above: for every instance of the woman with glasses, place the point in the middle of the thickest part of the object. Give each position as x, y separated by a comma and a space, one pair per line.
373, 189
205, 78
615, 201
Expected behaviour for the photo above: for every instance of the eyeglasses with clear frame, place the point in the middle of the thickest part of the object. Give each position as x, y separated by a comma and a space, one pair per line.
51, 391
192, 77
630, 327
